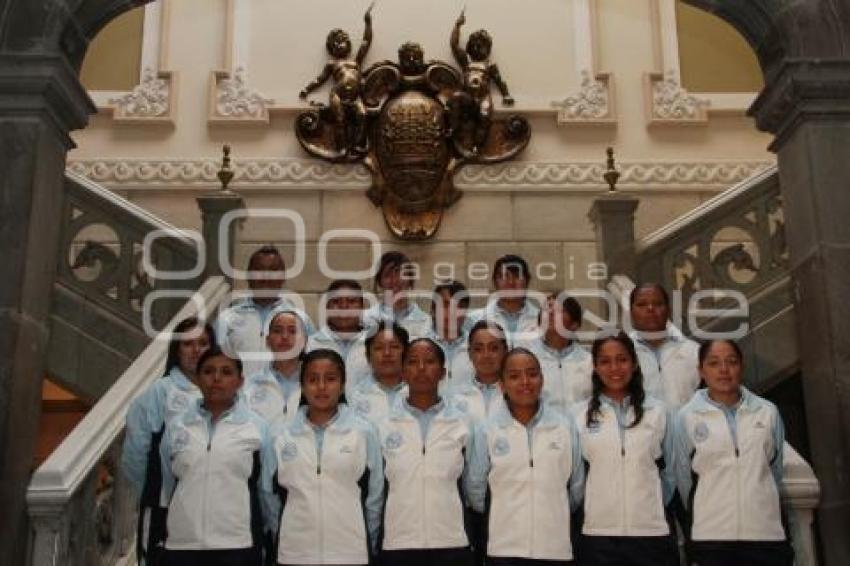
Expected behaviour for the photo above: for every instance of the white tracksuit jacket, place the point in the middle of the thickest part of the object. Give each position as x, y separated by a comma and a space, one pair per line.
216, 470
626, 492
536, 478
670, 373
372, 401
469, 398
566, 375
424, 508
738, 468
329, 488
265, 396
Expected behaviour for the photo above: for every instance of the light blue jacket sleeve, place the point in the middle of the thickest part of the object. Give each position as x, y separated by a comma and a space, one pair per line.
477, 468
145, 418
668, 449
169, 481
779, 445
269, 502
682, 449
375, 493
577, 477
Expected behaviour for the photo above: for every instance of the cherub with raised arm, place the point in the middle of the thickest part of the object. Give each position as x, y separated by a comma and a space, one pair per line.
345, 104
478, 72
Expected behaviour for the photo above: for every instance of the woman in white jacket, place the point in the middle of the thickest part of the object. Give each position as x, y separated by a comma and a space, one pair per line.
627, 447
426, 442
147, 416
212, 457
275, 392
327, 474
729, 467
528, 453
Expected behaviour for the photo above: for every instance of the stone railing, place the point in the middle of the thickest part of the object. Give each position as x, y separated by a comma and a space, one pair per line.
101, 253
735, 240
82, 510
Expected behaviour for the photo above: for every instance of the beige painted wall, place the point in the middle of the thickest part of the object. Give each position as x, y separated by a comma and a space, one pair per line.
545, 220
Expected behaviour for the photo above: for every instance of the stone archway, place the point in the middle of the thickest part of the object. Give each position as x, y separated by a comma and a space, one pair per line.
804, 52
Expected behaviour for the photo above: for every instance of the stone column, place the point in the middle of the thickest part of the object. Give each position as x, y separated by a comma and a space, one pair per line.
213, 208
40, 101
807, 105
613, 214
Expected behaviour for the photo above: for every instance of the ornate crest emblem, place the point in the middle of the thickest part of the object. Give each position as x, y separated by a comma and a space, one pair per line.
414, 124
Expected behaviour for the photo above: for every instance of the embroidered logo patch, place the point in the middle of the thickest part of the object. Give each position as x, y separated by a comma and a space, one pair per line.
394, 441
759, 424
362, 406
289, 452
258, 395
179, 402
346, 449
594, 428
554, 445
181, 440
501, 446
701, 432
462, 405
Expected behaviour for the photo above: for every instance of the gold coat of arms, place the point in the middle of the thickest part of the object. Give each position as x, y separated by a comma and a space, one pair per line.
412, 123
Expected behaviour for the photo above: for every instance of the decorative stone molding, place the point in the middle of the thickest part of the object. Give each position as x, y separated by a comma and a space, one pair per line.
150, 100
670, 102
592, 104
233, 101
301, 173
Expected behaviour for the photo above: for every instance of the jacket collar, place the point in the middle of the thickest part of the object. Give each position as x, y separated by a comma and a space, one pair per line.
704, 404
545, 417
341, 423
239, 413
180, 380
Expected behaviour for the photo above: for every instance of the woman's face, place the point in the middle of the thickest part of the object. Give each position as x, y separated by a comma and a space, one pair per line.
393, 279
385, 355
219, 380
486, 351
615, 367
322, 385
722, 369
522, 381
286, 336
423, 369
650, 311
190, 350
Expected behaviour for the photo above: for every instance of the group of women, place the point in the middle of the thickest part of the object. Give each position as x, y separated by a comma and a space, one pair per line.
456, 444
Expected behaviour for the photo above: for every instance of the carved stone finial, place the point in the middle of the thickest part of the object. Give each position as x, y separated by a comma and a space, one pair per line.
225, 174
611, 175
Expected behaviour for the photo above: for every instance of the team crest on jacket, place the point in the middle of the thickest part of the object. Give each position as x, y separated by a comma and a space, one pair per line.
289, 452
258, 395
595, 427
179, 402
181, 440
462, 405
394, 440
362, 406
501, 446
700, 432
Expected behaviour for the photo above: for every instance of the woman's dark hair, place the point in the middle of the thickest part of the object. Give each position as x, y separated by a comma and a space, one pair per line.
384, 326
390, 260
323, 354
185, 325
438, 351
705, 348
213, 352
519, 351
635, 387
513, 264
493, 327
649, 285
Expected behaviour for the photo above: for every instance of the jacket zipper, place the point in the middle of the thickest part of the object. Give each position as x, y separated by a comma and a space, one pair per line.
424, 495
531, 488
210, 434
321, 502
623, 476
